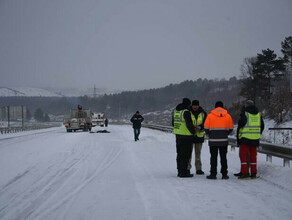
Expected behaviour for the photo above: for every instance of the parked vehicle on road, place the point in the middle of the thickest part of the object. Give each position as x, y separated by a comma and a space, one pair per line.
98, 119
80, 119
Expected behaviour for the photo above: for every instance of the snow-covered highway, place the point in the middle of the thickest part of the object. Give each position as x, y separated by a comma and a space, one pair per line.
53, 175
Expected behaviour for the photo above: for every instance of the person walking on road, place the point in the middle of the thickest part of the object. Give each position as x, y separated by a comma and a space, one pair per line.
198, 117
184, 131
218, 126
251, 126
106, 122
137, 119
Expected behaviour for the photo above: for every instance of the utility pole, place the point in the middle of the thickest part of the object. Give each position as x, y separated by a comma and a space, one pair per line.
291, 81
22, 116
8, 116
94, 92
119, 112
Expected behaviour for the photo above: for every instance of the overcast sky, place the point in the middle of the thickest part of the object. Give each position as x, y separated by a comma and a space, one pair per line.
134, 44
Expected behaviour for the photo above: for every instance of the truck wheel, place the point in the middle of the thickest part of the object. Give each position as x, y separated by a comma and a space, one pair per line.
69, 130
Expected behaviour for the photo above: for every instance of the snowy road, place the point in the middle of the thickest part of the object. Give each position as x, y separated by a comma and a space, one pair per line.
54, 175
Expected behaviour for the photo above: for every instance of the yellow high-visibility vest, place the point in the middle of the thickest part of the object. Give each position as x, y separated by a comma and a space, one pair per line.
252, 128
198, 122
180, 126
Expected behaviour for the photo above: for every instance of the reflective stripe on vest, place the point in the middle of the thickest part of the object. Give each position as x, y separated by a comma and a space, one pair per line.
252, 128
198, 122
180, 126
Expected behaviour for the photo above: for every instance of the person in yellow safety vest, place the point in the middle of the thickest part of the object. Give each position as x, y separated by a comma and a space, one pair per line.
198, 117
184, 131
251, 126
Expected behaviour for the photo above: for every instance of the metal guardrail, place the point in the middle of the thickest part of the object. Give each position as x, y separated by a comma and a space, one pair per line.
269, 149
6, 130
278, 131
158, 127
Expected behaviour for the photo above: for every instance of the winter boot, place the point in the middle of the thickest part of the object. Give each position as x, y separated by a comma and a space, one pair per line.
186, 174
253, 175
225, 177
211, 177
244, 176
238, 174
199, 172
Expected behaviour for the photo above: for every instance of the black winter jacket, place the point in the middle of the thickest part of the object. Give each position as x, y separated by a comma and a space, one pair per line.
241, 123
137, 120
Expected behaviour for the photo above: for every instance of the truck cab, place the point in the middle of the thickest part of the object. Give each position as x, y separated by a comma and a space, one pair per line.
98, 119
80, 119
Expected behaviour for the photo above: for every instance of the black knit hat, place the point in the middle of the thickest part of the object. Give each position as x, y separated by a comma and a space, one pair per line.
186, 101
249, 103
195, 102
219, 104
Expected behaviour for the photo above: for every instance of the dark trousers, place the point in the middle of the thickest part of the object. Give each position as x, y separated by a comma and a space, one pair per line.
223, 159
136, 133
184, 153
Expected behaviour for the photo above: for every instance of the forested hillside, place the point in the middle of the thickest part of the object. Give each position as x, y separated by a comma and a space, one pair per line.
155, 104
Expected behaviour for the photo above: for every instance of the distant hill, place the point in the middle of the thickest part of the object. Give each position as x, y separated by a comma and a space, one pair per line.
50, 92
26, 92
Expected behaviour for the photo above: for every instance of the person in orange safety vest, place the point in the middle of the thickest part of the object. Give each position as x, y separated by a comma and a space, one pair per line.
218, 126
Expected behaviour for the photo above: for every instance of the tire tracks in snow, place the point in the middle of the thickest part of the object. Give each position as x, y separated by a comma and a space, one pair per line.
69, 198
20, 138
45, 185
42, 187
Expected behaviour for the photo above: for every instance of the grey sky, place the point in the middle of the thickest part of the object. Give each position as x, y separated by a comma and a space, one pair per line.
134, 44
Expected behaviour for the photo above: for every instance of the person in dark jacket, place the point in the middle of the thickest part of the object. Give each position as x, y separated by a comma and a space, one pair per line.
250, 127
184, 131
238, 145
218, 126
137, 119
198, 117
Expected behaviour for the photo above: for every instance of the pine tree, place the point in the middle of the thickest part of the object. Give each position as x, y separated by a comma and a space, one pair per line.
268, 69
39, 115
47, 118
287, 52
28, 115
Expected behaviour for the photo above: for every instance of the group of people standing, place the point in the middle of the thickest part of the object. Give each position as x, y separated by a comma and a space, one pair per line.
188, 123
191, 123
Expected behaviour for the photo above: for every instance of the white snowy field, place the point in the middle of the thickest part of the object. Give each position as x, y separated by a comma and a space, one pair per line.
53, 175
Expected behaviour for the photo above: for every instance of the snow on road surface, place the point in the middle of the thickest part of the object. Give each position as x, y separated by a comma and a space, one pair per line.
51, 175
